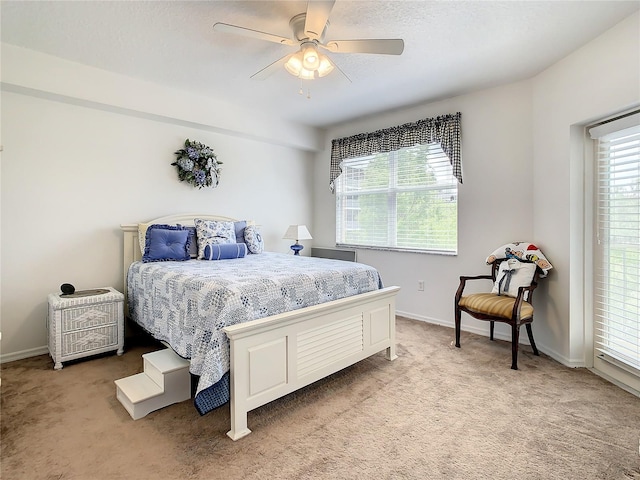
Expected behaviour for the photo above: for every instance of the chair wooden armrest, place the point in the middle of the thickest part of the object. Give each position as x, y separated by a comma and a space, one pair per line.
520, 298
463, 282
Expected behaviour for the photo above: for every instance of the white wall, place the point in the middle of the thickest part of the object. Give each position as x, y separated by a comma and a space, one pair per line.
598, 80
495, 201
75, 167
523, 159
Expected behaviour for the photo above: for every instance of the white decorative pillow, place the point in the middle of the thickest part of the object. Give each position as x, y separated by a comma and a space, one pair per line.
253, 239
512, 275
212, 232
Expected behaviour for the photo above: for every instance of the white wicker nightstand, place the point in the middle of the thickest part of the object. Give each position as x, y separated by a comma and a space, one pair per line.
85, 325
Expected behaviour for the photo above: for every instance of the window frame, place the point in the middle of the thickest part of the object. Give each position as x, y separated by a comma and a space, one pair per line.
605, 363
393, 190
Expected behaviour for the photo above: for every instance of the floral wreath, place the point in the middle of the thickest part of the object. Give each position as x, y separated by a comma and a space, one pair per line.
197, 165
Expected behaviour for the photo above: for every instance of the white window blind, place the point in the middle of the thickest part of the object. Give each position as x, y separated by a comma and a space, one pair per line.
617, 252
402, 200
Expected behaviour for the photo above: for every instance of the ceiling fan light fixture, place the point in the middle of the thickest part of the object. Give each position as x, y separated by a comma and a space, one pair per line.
310, 56
325, 67
294, 64
307, 74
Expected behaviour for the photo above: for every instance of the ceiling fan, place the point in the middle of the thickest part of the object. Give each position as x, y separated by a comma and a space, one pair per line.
309, 29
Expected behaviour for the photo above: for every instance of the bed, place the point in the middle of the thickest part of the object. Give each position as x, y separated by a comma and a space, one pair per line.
261, 326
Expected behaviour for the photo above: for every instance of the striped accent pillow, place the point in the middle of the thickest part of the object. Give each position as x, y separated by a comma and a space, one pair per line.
224, 251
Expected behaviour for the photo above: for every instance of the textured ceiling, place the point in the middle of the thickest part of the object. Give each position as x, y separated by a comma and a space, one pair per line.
451, 47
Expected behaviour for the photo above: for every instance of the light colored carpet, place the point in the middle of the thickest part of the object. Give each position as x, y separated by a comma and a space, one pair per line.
436, 412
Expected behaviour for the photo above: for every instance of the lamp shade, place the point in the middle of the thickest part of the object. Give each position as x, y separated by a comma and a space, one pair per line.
297, 232
294, 64
310, 56
325, 67
308, 63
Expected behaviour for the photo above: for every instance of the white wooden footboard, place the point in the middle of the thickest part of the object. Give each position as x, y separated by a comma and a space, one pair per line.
274, 356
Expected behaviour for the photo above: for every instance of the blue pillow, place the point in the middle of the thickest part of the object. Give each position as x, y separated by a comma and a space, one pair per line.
239, 227
166, 242
224, 251
193, 241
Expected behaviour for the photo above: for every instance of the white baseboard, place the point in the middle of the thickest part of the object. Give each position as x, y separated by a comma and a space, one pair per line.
32, 352
498, 335
615, 381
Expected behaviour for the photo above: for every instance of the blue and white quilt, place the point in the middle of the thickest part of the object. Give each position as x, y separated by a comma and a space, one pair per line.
187, 304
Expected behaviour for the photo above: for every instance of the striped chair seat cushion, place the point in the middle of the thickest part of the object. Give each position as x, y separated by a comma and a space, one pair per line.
492, 304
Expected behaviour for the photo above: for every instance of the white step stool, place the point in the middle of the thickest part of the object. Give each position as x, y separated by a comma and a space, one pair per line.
164, 381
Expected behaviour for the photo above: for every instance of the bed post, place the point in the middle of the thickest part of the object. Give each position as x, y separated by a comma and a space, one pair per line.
391, 350
238, 409
130, 253
238, 424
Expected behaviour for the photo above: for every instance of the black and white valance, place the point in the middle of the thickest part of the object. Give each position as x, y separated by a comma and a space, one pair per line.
444, 130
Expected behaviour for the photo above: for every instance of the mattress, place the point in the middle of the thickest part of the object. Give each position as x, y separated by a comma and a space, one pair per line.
187, 304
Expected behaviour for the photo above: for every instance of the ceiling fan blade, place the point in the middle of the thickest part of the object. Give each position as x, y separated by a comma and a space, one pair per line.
339, 69
247, 32
389, 46
271, 69
317, 15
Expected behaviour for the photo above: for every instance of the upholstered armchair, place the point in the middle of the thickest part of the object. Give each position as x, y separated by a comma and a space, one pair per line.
514, 278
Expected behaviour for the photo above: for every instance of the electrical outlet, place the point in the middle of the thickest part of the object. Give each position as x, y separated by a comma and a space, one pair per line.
421, 285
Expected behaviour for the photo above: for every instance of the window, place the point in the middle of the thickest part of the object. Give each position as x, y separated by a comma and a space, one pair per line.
617, 250
406, 199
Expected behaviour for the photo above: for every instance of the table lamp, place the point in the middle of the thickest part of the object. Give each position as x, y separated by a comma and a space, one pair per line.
297, 232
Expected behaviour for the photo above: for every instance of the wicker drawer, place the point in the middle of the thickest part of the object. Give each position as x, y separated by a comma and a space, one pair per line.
89, 340
85, 325
89, 316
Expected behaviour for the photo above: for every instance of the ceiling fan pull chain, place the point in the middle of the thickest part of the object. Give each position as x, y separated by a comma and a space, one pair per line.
301, 91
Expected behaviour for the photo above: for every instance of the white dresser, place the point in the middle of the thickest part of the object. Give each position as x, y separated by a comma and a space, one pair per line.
81, 325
